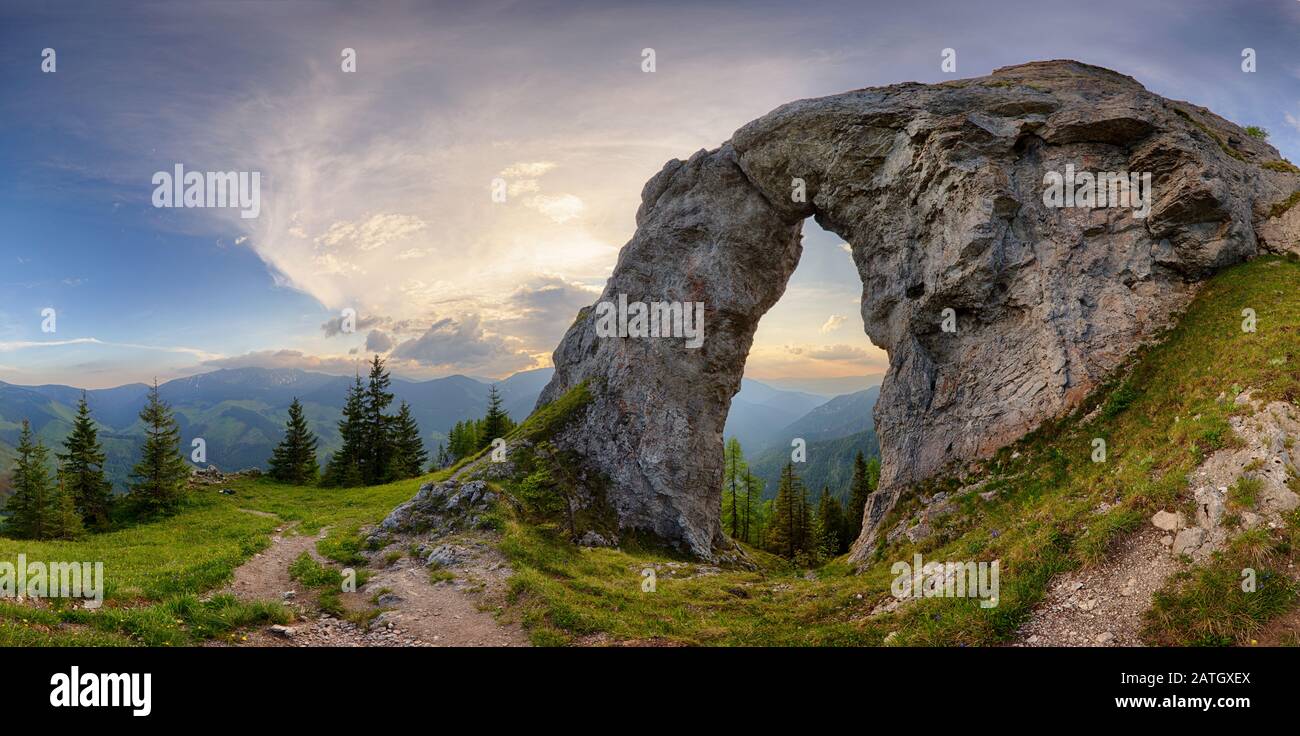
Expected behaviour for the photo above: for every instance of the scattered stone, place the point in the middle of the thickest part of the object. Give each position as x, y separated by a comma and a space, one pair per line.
1169, 521
1188, 540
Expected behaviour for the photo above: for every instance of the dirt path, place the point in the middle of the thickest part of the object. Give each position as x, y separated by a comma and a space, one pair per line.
1102, 606
414, 610
266, 576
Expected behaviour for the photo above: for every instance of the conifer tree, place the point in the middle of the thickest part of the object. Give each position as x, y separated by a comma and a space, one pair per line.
294, 460
82, 470
31, 503
442, 459
65, 521
496, 423
377, 447
409, 455
160, 475
734, 490
783, 526
830, 523
344, 466
860, 488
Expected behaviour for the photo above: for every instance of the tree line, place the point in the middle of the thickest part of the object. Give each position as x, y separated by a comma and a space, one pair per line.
378, 447
789, 525
78, 497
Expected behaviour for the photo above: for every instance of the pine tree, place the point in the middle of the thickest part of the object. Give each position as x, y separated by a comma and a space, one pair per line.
783, 526
860, 488
294, 460
441, 460
734, 489
344, 466
82, 470
496, 423
65, 520
377, 447
753, 508
31, 503
830, 522
160, 475
409, 455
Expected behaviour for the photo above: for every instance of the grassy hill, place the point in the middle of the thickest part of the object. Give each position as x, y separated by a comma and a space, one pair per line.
1054, 510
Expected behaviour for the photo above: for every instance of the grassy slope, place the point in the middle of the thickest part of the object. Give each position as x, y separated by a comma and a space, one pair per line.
1159, 422
157, 573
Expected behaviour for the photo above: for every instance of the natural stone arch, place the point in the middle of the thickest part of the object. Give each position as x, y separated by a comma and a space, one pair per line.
938, 190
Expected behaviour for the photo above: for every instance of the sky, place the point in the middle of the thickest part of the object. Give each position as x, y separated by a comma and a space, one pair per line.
376, 184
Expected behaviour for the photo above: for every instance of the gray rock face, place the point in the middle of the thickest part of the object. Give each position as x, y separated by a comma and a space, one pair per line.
938, 189
436, 507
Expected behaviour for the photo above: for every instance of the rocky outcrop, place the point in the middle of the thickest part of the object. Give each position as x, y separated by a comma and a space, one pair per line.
436, 509
939, 191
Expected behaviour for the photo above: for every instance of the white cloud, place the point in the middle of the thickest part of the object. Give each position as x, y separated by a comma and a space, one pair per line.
376, 232
527, 170
832, 324
559, 208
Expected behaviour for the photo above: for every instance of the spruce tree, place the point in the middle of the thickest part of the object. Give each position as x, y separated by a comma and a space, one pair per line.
161, 473
859, 490
31, 504
82, 470
294, 460
344, 466
496, 423
409, 455
377, 447
783, 526
65, 521
830, 518
734, 473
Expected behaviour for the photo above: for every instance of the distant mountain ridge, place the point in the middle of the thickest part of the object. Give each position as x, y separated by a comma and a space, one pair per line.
834, 432
240, 412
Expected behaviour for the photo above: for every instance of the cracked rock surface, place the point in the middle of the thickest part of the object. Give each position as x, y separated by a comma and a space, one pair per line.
938, 190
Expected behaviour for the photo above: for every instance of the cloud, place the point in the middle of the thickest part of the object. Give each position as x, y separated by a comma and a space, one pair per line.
1292, 121
527, 170
464, 345
379, 231
832, 324
559, 208
540, 311
835, 352
378, 342
287, 359
25, 344
334, 326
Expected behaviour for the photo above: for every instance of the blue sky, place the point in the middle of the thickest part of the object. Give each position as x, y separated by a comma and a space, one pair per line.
375, 184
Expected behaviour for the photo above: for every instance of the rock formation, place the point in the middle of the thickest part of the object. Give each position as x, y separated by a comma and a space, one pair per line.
939, 191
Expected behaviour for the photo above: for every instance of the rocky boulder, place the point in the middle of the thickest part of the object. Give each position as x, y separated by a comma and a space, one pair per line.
998, 309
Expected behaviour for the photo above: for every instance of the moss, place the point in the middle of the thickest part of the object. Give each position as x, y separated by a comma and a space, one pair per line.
1213, 135
1281, 208
1282, 165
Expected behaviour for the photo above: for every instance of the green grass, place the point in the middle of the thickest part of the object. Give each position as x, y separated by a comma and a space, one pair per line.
1160, 421
157, 573
1281, 165
1281, 208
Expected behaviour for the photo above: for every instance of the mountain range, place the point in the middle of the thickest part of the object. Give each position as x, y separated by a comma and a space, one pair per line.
240, 413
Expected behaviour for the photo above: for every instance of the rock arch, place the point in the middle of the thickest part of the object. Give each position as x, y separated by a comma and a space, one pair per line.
939, 191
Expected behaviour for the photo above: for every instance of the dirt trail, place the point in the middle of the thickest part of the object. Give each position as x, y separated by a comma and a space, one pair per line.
414, 610
1102, 606
266, 576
